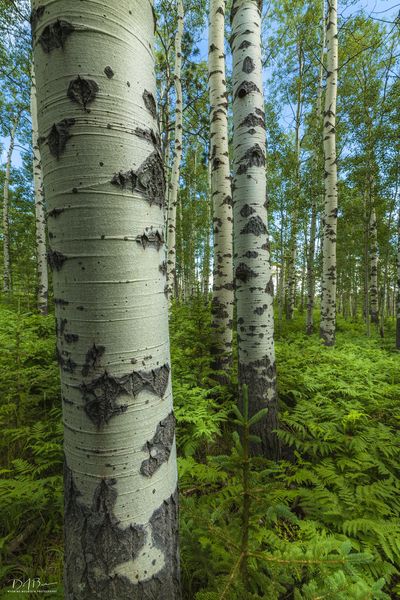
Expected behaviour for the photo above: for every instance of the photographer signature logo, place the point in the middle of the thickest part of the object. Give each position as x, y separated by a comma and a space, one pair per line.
32, 585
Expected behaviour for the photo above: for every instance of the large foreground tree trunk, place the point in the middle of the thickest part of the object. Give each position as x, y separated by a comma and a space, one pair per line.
221, 194
253, 276
6, 207
40, 217
329, 275
104, 185
174, 185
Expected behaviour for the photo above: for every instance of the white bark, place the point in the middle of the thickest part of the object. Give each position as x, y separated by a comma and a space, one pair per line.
373, 267
314, 206
104, 185
40, 217
328, 284
221, 193
253, 277
6, 226
174, 185
292, 283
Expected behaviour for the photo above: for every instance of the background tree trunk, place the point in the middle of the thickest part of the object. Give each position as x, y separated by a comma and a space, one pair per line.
40, 217
373, 268
398, 287
315, 188
328, 284
221, 194
173, 190
292, 280
104, 185
7, 280
253, 277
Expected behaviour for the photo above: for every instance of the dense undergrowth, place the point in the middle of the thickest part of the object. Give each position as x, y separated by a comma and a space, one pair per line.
322, 523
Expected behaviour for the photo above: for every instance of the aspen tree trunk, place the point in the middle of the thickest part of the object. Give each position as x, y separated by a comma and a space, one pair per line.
40, 217
207, 245
398, 287
174, 184
373, 268
104, 186
6, 226
328, 284
253, 276
221, 193
292, 284
315, 193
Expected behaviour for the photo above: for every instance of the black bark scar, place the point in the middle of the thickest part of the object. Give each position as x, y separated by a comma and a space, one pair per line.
54, 35
159, 447
58, 137
82, 91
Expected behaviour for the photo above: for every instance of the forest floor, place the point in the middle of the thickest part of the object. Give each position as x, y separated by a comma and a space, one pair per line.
322, 523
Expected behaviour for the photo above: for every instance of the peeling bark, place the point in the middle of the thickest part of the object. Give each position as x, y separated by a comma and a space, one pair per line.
121, 529
253, 282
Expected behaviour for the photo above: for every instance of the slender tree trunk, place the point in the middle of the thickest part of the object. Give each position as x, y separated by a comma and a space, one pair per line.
253, 276
366, 312
373, 267
6, 225
173, 189
292, 283
315, 190
310, 269
303, 268
328, 302
104, 185
207, 245
221, 194
398, 287
40, 217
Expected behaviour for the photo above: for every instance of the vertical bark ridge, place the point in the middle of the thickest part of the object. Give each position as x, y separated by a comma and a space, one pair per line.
221, 193
104, 185
329, 223
253, 276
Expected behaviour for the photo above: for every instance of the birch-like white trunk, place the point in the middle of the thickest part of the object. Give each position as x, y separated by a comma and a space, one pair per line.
6, 200
292, 278
253, 276
174, 184
328, 283
221, 193
40, 216
373, 268
315, 193
104, 186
